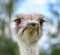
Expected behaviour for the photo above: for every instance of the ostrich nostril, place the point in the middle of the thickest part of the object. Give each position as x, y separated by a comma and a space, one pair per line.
33, 24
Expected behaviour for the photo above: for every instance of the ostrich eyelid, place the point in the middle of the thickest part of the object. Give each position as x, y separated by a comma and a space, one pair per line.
17, 19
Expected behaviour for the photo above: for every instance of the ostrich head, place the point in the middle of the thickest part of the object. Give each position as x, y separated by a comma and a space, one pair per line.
28, 28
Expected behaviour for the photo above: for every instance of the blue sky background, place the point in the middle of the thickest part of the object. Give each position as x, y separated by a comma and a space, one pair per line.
35, 6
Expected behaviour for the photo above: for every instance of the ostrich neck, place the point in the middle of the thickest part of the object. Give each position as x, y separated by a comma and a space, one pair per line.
28, 49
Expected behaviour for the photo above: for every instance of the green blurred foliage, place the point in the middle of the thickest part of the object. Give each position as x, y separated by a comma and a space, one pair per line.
7, 45
43, 52
55, 49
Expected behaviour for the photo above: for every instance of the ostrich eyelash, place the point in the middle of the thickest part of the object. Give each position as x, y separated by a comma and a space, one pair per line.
18, 19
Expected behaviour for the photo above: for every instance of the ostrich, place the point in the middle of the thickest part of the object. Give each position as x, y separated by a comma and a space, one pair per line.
28, 30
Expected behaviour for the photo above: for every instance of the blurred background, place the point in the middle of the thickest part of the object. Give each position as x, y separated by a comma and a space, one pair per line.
50, 41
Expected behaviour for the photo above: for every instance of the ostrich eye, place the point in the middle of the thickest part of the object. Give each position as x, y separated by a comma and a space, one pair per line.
18, 21
41, 22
